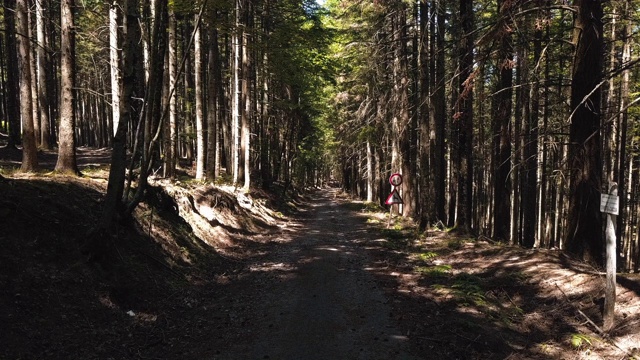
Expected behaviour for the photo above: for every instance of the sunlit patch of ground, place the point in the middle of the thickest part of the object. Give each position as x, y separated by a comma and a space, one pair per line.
538, 304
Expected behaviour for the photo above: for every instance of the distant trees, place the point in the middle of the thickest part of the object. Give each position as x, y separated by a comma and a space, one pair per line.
222, 82
513, 148
229, 87
504, 117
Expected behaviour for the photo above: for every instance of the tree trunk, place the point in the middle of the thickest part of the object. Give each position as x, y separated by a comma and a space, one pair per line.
531, 220
584, 233
465, 120
200, 121
530, 171
502, 128
43, 85
114, 205
266, 120
370, 175
213, 85
171, 155
402, 119
66, 142
440, 114
547, 151
246, 107
426, 178
621, 164
13, 80
34, 80
114, 58
236, 105
153, 112
29, 149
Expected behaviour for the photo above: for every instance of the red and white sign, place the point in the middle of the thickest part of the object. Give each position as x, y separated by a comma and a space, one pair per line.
394, 198
395, 179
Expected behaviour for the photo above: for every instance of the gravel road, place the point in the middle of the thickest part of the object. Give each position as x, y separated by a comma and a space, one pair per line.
315, 297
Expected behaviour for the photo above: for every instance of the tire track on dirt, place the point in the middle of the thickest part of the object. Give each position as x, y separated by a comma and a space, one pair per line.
319, 301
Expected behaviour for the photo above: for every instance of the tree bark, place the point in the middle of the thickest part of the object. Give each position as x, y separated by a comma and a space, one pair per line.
236, 105
34, 78
530, 172
584, 233
200, 121
153, 111
213, 83
66, 142
114, 202
623, 118
29, 149
247, 105
402, 118
43, 66
171, 155
426, 178
502, 128
13, 80
465, 120
440, 114
114, 59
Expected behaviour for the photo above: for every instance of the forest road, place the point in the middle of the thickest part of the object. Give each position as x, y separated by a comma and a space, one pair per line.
316, 298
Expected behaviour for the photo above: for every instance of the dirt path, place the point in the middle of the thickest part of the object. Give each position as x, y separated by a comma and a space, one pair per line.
85, 157
315, 297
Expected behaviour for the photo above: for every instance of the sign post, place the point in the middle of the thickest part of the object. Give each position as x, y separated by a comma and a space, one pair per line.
394, 198
609, 204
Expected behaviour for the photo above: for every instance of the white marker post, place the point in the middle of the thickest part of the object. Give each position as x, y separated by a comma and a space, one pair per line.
609, 204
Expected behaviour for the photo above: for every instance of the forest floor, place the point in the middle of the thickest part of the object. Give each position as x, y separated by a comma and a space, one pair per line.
203, 272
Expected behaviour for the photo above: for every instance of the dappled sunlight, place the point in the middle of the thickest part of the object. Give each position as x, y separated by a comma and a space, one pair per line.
328, 248
517, 302
249, 278
222, 219
313, 286
282, 271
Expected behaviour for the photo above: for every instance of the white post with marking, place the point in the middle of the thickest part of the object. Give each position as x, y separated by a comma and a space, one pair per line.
609, 204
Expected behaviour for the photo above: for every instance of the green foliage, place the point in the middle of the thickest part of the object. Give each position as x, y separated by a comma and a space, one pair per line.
397, 238
393, 234
9, 170
92, 50
296, 47
468, 290
372, 207
581, 340
437, 271
428, 256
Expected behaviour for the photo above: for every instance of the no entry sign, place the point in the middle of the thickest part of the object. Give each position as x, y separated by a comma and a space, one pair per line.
395, 179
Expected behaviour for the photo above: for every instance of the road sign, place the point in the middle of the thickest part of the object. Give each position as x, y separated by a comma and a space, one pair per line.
609, 204
394, 198
395, 179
